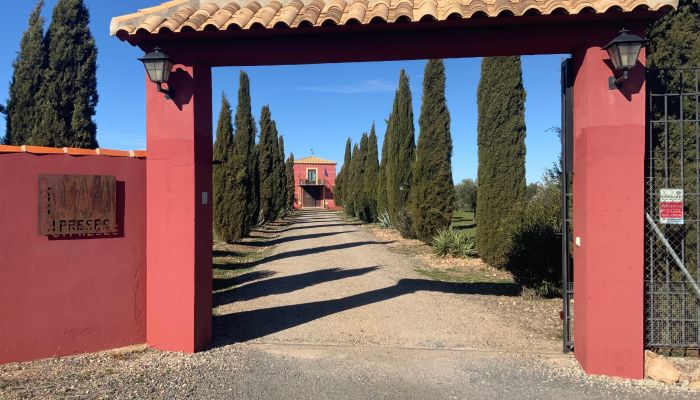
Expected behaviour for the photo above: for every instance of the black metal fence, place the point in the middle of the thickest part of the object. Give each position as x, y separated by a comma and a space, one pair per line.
567, 139
672, 245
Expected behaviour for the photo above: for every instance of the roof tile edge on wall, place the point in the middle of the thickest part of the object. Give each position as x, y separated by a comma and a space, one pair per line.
40, 150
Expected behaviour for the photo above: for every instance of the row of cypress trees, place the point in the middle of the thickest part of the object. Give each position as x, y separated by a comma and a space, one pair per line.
53, 91
412, 187
252, 182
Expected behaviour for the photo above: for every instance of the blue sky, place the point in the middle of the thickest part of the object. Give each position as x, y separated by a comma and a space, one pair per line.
316, 106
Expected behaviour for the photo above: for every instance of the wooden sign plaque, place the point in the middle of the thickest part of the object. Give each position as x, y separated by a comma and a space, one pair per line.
77, 205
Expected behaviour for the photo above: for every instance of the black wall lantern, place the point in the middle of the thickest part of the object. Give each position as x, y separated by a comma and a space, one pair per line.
158, 67
624, 52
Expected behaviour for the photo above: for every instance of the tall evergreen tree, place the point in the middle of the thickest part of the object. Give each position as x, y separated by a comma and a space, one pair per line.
275, 171
282, 197
350, 195
358, 182
254, 202
371, 177
242, 166
221, 174
290, 181
267, 166
401, 152
432, 193
382, 206
69, 90
339, 189
28, 68
501, 142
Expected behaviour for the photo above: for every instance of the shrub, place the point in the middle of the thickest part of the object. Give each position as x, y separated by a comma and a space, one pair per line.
385, 220
404, 224
534, 254
455, 243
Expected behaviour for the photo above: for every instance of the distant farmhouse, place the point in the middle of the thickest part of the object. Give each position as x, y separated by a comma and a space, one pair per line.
314, 181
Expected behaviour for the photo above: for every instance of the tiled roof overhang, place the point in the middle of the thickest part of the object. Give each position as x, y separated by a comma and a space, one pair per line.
225, 15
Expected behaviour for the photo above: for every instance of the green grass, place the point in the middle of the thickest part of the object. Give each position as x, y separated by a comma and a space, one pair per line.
463, 276
464, 220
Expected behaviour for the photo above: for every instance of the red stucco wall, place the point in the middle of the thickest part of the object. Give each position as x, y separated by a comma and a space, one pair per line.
66, 296
608, 186
325, 172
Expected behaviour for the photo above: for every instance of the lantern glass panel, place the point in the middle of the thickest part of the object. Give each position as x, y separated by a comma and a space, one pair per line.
614, 54
628, 54
155, 70
167, 67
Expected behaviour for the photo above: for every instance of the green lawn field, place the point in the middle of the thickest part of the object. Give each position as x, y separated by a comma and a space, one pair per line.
464, 220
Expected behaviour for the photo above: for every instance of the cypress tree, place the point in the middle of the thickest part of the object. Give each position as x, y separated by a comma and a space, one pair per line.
275, 171
283, 196
350, 195
254, 202
382, 182
358, 183
501, 143
221, 174
401, 152
242, 166
28, 68
339, 189
266, 160
432, 193
371, 177
69, 90
290, 181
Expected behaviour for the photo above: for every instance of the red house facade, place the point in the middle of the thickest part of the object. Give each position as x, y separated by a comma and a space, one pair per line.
314, 180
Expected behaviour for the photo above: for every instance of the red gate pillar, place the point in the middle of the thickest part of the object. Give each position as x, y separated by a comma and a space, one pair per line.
608, 187
179, 212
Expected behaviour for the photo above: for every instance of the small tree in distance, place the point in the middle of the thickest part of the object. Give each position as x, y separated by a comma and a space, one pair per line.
290, 181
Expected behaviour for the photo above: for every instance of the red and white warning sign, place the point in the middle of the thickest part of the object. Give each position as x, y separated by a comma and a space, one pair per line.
671, 207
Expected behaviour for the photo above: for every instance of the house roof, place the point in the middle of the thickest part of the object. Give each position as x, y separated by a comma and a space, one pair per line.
314, 160
72, 151
221, 15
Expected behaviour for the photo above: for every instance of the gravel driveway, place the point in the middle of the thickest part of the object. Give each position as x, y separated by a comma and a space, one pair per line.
333, 313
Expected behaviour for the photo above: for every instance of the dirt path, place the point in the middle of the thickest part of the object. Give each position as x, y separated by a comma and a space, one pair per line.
332, 313
331, 282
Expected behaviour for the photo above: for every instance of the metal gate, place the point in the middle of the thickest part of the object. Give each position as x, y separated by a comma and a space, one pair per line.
567, 146
672, 245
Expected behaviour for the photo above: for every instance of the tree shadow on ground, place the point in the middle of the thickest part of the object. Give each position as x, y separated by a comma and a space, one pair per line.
286, 284
294, 228
462, 227
223, 283
298, 253
280, 240
248, 325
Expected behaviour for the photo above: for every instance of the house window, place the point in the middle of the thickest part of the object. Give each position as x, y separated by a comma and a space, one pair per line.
311, 175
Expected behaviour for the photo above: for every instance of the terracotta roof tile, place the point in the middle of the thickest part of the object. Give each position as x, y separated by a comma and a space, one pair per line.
314, 160
72, 151
200, 15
